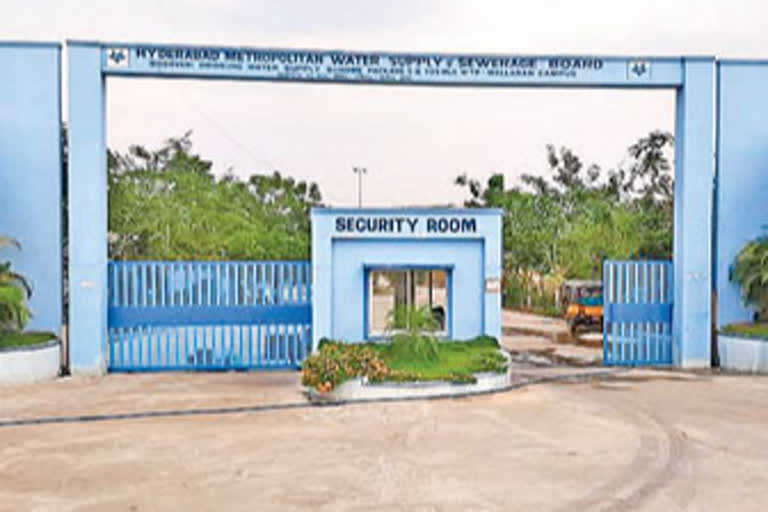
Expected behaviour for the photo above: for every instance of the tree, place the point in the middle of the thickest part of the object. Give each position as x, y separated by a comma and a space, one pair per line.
566, 222
167, 204
650, 173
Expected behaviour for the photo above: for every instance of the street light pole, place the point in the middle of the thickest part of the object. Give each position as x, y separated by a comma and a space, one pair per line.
359, 171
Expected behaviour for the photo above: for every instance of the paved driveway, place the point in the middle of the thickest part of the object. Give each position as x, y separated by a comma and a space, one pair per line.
645, 441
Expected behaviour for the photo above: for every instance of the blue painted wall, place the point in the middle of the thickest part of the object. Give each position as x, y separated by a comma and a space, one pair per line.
467, 279
339, 259
88, 210
30, 172
742, 174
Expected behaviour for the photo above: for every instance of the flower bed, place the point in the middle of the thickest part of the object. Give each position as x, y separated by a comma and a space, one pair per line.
24, 356
407, 363
744, 346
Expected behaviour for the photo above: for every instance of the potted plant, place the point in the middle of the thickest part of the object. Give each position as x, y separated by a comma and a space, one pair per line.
23, 355
744, 346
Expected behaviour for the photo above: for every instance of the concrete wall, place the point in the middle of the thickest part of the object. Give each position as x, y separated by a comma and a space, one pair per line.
30, 172
742, 174
339, 259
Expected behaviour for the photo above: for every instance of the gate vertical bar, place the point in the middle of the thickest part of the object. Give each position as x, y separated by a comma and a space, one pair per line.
149, 331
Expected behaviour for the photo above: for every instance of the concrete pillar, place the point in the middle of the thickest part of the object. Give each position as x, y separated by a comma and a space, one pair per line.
87, 210
692, 311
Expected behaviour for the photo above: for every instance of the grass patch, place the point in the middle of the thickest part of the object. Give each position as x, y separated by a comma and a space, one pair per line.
756, 330
455, 361
21, 339
406, 359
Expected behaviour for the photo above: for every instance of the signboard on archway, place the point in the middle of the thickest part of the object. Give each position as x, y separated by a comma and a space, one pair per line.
91, 63
387, 68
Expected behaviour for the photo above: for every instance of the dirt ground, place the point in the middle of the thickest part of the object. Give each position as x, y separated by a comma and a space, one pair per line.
539, 336
641, 441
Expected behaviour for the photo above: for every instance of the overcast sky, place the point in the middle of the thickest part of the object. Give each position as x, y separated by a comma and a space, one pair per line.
413, 140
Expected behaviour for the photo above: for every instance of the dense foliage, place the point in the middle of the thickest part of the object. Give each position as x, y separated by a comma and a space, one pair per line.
166, 204
750, 271
14, 292
564, 224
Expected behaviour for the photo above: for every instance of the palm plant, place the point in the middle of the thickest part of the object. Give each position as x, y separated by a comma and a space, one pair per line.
413, 319
750, 271
418, 343
14, 292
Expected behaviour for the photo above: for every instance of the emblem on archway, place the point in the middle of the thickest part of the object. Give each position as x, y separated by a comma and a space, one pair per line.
118, 57
638, 69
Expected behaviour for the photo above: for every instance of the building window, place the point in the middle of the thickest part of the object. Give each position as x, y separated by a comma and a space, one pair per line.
390, 290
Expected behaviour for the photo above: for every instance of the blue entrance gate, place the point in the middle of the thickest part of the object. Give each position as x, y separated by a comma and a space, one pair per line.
205, 315
637, 315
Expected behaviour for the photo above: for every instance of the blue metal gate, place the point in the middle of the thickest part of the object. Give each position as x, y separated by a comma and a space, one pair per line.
206, 315
637, 315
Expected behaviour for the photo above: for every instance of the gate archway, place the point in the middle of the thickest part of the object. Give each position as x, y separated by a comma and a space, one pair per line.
91, 63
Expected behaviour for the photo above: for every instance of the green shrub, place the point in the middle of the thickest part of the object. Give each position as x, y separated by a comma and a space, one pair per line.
415, 320
416, 348
323, 342
417, 344
750, 271
14, 292
492, 362
485, 341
